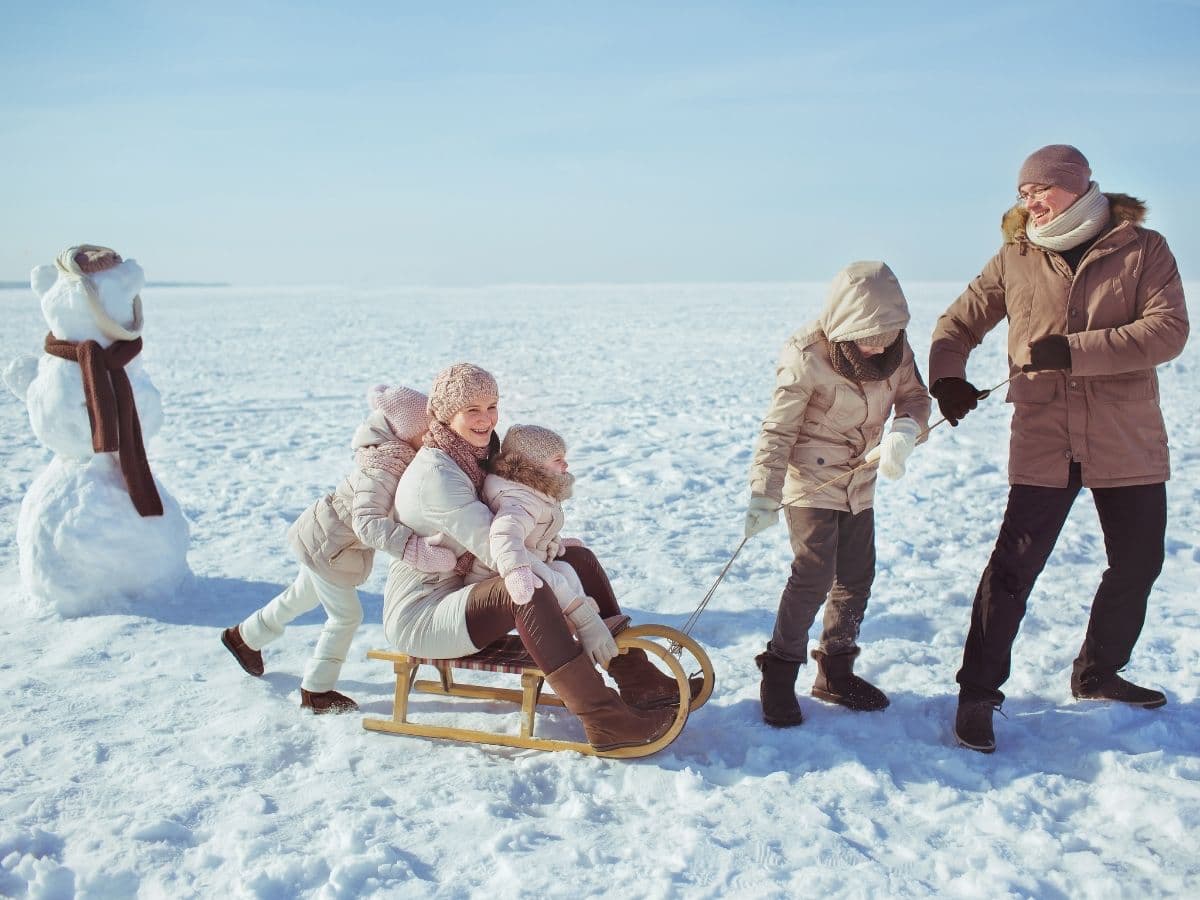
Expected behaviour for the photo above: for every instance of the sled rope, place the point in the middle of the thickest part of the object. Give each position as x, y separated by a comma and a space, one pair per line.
695, 616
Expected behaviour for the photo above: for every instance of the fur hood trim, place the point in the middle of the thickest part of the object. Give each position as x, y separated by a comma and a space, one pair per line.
1122, 207
523, 471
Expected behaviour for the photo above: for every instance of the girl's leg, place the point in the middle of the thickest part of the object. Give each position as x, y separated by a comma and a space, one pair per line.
345, 615
267, 624
847, 603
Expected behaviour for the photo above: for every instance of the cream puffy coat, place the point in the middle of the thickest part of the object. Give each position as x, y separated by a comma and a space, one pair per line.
821, 424
1123, 313
338, 535
425, 614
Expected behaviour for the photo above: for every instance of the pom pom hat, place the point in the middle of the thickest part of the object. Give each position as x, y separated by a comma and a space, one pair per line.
459, 386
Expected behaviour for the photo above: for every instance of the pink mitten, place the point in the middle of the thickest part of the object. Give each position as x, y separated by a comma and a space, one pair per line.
521, 583
426, 557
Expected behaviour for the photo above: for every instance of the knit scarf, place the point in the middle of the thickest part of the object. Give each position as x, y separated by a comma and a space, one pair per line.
392, 456
849, 362
1081, 221
467, 457
113, 412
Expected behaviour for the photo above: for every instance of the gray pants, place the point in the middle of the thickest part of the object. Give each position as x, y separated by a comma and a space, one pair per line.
834, 565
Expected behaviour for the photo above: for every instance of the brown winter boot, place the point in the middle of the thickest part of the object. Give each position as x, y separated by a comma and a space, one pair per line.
608, 723
249, 659
837, 683
1114, 687
777, 693
643, 685
326, 702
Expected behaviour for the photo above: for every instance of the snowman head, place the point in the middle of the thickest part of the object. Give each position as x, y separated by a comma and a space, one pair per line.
91, 294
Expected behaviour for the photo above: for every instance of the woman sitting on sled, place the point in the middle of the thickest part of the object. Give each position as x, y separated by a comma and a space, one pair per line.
440, 616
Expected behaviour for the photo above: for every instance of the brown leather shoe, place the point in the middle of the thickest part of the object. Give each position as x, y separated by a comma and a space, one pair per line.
326, 702
607, 721
1117, 689
643, 685
249, 659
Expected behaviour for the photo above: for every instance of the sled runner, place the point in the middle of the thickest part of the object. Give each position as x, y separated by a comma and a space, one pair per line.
509, 655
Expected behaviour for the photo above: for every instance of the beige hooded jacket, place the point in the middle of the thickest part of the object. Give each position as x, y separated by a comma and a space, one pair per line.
338, 535
821, 424
1123, 313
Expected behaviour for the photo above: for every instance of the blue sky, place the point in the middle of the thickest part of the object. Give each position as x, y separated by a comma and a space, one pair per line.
481, 143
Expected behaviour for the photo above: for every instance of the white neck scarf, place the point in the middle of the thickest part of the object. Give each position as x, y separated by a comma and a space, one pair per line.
1081, 221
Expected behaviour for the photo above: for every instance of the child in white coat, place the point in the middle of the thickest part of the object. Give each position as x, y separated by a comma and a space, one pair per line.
336, 539
525, 489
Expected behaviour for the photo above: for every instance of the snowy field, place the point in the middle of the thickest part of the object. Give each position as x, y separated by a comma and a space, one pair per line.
137, 760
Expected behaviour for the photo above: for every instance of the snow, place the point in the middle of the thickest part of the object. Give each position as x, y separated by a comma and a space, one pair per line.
137, 759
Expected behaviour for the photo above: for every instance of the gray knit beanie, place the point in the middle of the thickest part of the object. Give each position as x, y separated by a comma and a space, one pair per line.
1057, 164
459, 386
533, 442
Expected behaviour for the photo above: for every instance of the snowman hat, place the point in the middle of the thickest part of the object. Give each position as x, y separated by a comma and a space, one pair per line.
82, 262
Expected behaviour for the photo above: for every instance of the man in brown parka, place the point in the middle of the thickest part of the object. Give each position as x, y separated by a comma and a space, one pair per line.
837, 381
1094, 302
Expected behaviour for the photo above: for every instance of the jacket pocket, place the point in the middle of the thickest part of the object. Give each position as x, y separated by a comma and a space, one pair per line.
813, 456
1130, 388
1034, 389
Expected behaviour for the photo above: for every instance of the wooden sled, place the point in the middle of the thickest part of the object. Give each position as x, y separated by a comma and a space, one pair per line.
509, 655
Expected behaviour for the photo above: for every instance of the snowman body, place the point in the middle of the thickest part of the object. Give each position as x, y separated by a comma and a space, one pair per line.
83, 548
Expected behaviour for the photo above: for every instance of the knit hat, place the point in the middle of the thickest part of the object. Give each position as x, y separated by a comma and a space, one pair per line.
457, 387
883, 339
403, 408
1057, 164
533, 442
89, 259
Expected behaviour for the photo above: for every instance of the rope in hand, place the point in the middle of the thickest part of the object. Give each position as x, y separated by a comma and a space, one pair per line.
868, 461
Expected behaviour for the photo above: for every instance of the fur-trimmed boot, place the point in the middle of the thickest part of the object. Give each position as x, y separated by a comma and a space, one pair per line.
326, 702
777, 693
643, 685
607, 721
248, 658
837, 683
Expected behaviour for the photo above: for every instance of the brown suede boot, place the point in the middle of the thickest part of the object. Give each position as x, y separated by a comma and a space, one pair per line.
607, 721
249, 659
837, 683
643, 685
326, 702
777, 693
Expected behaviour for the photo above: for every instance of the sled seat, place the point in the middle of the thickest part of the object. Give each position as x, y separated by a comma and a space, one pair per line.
508, 655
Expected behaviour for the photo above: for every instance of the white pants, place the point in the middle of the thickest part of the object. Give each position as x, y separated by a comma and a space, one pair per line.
341, 606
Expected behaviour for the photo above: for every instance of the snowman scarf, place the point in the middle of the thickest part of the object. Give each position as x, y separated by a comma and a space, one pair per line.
113, 412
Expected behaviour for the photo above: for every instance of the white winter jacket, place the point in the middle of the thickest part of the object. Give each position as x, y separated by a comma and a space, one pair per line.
338, 535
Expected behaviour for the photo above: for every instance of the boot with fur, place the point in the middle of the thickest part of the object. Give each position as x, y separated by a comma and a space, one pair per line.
837, 683
607, 721
777, 693
643, 685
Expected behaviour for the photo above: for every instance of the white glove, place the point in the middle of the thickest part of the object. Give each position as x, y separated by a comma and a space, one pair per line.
593, 634
521, 583
762, 513
896, 447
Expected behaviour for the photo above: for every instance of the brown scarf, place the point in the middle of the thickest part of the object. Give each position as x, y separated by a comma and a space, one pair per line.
849, 362
467, 457
113, 412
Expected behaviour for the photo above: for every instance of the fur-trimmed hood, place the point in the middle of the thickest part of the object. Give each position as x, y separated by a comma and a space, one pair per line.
1122, 208
524, 471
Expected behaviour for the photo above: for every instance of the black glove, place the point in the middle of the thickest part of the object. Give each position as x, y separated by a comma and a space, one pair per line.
1049, 352
956, 397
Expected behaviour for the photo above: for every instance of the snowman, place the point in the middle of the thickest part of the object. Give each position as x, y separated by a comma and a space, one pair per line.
96, 532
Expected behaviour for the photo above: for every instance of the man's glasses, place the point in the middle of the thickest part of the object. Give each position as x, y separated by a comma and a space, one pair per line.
1035, 194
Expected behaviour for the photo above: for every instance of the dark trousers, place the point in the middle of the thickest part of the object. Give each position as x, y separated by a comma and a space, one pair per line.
1134, 522
491, 614
834, 565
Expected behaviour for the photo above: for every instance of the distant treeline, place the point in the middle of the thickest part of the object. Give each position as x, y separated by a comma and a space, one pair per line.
18, 285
